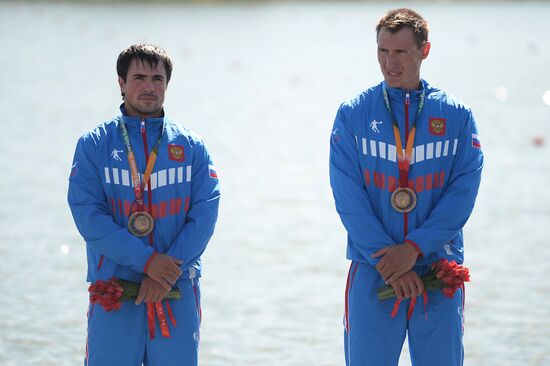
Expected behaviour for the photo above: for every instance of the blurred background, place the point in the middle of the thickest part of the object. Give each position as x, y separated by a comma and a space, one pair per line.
261, 83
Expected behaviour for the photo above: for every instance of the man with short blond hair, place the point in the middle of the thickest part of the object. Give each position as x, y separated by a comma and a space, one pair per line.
405, 168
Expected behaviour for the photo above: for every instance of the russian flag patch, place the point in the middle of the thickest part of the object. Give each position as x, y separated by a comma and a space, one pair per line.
212, 172
475, 141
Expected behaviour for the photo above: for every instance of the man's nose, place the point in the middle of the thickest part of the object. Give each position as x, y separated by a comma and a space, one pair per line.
391, 60
148, 85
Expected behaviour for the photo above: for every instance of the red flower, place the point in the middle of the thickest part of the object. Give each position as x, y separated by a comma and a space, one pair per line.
452, 275
444, 275
106, 293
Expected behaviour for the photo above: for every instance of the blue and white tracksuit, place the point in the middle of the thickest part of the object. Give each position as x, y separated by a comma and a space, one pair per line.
445, 173
183, 198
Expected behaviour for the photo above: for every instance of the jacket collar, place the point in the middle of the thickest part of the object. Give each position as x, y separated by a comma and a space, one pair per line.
135, 121
398, 95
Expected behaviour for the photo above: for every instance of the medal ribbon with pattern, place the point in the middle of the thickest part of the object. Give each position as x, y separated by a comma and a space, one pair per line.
138, 188
148, 224
403, 160
404, 199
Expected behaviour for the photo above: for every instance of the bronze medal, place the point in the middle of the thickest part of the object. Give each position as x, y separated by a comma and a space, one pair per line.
140, 223
403, 200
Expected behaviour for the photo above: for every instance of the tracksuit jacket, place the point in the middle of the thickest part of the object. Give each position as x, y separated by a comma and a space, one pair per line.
445, 172
183, 197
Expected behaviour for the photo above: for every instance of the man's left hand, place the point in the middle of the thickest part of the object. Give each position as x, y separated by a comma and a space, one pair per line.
396, 260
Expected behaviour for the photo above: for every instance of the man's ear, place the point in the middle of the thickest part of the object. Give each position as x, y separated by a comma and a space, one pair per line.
122, 84
426, 49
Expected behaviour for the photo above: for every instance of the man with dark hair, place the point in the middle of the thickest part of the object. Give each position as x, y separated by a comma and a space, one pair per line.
144, 195
405, 167
143, 52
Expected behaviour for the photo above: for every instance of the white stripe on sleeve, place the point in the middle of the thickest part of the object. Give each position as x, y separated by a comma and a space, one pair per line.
188, 174
107, 176
455, 146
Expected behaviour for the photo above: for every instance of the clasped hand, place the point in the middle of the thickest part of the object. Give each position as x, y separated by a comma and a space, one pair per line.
162, 273
409, 285
165, 270
150, 291
396, 260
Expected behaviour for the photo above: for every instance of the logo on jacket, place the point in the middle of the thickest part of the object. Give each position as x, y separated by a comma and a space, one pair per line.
212, 171
374, 125
175, 152
437, 126
115, 156
475, 141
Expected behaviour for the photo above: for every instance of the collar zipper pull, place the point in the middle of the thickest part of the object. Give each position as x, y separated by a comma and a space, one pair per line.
142, 126
407, 98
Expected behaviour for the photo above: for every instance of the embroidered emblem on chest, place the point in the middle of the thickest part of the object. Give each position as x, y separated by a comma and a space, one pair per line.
437, 126
175, 152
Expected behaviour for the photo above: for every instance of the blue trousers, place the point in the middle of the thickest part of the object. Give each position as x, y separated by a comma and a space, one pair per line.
121, 337
373, 338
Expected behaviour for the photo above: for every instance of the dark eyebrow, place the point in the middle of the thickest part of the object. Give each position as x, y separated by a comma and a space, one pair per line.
155, 76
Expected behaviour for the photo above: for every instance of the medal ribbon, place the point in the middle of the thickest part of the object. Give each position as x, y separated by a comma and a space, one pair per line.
162, 320
138, 188
403, 160
157, 308
404, 163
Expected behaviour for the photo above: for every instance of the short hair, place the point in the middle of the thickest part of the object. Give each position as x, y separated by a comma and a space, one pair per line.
397, 19
145, 53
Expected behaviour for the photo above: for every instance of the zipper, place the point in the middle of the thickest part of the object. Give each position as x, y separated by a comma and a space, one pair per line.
406, 215
407, 102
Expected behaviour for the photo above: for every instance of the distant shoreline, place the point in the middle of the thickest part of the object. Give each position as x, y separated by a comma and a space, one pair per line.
220, 2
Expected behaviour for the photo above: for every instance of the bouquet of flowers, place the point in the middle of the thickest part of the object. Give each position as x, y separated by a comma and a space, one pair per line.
444, 275
110, 294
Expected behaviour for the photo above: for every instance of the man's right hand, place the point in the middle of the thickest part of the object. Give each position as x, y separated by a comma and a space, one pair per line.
165, 270
408, 285
150, 291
